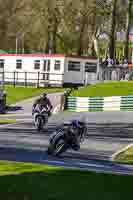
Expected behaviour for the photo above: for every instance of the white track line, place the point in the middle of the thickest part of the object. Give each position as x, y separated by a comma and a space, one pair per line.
120, 151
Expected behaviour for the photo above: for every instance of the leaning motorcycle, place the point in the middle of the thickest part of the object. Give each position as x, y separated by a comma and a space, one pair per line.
58, 143
40, 117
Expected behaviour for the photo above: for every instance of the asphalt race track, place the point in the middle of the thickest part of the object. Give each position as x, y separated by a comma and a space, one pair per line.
22, 143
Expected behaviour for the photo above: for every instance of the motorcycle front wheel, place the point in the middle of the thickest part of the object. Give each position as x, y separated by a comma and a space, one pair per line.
39, 123
58, 148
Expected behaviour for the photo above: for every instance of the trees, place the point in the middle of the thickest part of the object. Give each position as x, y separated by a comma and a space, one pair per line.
122, 17
128, 28
102, 23
48, 18
112, 31
120, 20
11, 17
72, 26
81, 23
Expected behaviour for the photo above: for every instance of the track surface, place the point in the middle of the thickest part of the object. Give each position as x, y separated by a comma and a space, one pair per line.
21, 142
107, 133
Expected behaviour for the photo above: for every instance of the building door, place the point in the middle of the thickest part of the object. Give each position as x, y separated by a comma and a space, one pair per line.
46, 69
90, 73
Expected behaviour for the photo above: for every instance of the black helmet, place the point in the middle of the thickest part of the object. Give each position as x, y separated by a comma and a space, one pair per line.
44, 95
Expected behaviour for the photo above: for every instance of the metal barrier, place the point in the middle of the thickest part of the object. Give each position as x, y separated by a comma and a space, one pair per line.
37, 79
116, 72
41, 79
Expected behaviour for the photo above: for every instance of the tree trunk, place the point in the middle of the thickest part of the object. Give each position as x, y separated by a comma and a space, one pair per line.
80, 47
54, 33
51, 39
112, 33
93, 30
96, 47
47, 42
93, 52
84, 21
129, 16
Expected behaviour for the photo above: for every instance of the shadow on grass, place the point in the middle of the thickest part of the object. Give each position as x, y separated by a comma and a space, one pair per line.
60, 184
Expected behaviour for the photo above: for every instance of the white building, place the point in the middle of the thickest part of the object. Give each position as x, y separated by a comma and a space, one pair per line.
51, 69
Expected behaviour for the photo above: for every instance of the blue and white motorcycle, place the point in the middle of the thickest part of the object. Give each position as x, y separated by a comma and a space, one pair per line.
40, 117
69, 136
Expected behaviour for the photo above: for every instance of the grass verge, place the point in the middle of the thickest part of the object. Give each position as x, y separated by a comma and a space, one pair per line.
125, 156
20, 93
36, 182
7, 121
105, 89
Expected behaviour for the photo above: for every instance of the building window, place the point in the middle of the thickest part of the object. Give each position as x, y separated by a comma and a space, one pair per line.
90, 67
37, 64
57, 65
73, 66
2, 62
46, 65
18, 64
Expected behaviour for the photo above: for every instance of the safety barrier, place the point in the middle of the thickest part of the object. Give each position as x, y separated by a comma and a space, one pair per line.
88, 104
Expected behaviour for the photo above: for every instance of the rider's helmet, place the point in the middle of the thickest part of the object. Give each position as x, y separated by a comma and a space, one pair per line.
74, 128
79, 127
77, 123
44, 95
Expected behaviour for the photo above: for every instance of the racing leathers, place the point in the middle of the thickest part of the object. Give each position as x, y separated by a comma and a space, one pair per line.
72, 136
44, 103
76, 135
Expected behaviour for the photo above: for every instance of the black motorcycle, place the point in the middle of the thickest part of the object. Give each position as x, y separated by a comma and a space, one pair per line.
67, 137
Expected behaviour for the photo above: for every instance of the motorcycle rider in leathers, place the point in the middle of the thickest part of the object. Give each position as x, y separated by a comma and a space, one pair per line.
44, 102
76, 135
72, 134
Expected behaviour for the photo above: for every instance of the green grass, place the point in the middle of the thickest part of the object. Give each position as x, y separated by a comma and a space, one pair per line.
106, 89
36, 182
20, 93
125, 156
7, 121
7, 168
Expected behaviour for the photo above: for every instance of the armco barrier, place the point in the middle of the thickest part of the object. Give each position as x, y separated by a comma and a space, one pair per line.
114, 103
